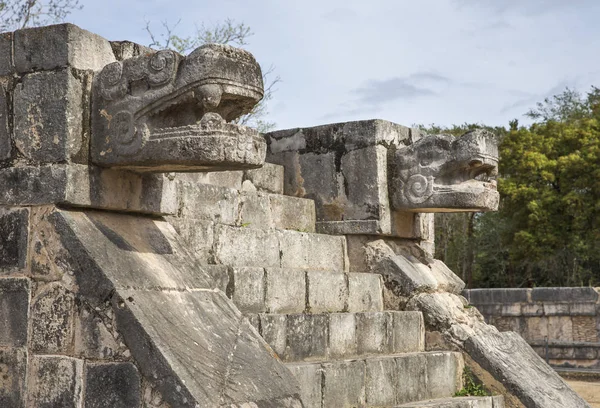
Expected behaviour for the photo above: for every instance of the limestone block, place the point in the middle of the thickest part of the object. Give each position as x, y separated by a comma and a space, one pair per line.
14, 311
48, 116
511, 310
93, 340
584, 329
503, 323
327, 291
249, 289
342, 335
309, 376
112, 385
292, 213
557, 309
246, 247
285, 290
268, 178
568, 295
496, 401
32, 185
55, 381
7, 64
13, 368
344, 384
531, 309
312, 251
582, 309
444, 374
62, 45
407, 332
207, 202
197, 235
307, 337
364, 292
128, 49
254, 210
274, 331
228, 179
560, 328
372, 333
5, 136
381, 379
412, 377
490, 296
14, 235
537, 328
509, 359
52, 319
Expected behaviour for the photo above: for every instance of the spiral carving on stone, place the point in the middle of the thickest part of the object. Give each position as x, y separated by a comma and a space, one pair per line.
161, 67
112, 83
124, 134
418, 188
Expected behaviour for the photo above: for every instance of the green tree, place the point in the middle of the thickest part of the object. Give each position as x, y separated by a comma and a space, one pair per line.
16, 14
227, 32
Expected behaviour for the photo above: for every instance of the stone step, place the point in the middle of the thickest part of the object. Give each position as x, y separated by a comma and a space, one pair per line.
496, 401
250, 209
379, 381
287, 290
268, 178
330, 336
247, 247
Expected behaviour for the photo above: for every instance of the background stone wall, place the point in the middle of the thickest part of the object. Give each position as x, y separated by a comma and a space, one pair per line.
561, 324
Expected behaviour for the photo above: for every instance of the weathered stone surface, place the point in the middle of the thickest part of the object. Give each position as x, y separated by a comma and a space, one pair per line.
7, 65
32, 185
55, 381
312, 251
52, 319
585, 294
292, 213
307, 336
446, 279
14, 234
5, 136
344, 383
14, 311
327, 291
157, 291
342, 335
364, 292
442, 172
372, 331
261, 247
165, 112
274, 331
285, 290
197, 235
412, 377
268, 178
112, 385
309, 377
207, 202
13, 369
510, 360
459, 402
407, 332
93, 339
228, 179
444, 374
62, 45
48, 116
381, 379
491, 296
249, 289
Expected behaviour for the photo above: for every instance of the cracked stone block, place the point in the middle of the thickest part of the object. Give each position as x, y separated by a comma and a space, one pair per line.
412, 377
13, 367
14, 233
93, 340
14, 311
61, 45
327, 291
55, 382
48, 116
249, 289
52, 319
112, 385
285, 291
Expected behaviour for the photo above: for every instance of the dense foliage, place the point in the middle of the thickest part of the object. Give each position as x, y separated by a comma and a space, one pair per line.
547, 231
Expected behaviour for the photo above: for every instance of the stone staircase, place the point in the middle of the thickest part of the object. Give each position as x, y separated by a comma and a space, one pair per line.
328, 325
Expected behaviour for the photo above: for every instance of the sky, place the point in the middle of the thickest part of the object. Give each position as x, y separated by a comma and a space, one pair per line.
410, 62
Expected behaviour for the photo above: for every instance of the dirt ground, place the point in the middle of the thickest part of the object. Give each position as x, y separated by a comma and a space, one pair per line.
590, 391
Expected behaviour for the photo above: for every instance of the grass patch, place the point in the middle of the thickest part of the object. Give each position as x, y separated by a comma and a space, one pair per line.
471, 388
